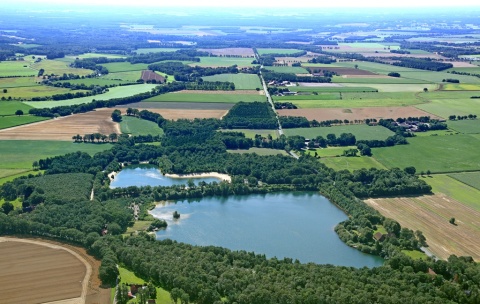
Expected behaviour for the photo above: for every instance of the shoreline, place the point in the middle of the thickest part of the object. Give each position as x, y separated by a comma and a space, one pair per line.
224, 177
114, 173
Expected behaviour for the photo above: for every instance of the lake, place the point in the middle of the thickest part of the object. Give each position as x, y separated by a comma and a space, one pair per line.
149, 175
295, 225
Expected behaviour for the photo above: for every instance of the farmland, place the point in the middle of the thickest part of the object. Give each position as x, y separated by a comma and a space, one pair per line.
16, 68
35, 91
137, 126
207, 97
14, 82
361, 132
131, 76
10, 107
58, 68
116, 67
12, 121
223, 62
430, 214
241, 81
465, 126
288, 69
452, 153
277, 51
154, 50
469, 178
351, 163
244, 52
251, 133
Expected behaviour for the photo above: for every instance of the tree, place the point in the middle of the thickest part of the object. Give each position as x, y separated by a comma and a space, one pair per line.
410, 170
176, 215
19, 112
425, 90
5, 90
117, 116
113, 137
122, 294
452, 221
428, 172
7, 207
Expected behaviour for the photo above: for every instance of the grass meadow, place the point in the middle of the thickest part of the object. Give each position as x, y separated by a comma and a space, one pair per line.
351, 163
353, 103
16, 68
471, 179
223, 62
10, 107
277, 51
136, 126
250, 133
288, 69
96, 81
329, 152
461, 87
115, 67
241, 81
14, 82
154, 50
332, 89
361, 132
192, 97
36, 91
319, 96
382, 87
447, 107
12, 121
470, 126
130, 76
128, 277
58, 68
380, 80
20, 154
439, 154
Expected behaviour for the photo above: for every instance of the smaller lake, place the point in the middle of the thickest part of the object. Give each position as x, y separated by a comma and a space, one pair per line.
149, 175
295, 225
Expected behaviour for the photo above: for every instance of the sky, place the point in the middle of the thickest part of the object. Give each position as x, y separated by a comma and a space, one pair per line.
257, 3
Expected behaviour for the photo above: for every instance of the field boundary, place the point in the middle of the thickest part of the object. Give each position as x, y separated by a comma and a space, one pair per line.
88, 273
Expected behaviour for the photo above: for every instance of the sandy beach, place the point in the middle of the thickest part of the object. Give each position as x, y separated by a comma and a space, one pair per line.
221, 176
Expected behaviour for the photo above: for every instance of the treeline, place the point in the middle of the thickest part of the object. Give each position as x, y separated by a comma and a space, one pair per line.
462, 117
94, 64
322, 59
183, 72
272, 76
422, 64
250, 115
180, 55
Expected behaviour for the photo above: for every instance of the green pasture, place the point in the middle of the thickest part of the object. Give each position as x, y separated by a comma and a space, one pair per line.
10, 107
16, 68
20, 154
27, 45
414, 254
351, 163
14, 82
277, 51
468, 126
385, 96
192, 97
318, 96
432, 95
288, 69
260, 151
447, 107
241, 81
327, 89
471, 70
471, 179
320, 65
382, 87
353, 103
96, 81
380, 80
154, 50
442, 183
58, 68
250, 133
136, 126
437, 77
115, 67
461, 87
168, 78
329, 151
12, 121
223, 62
116, 92
35, 91
436, 133
130, 76
374, 67
452, 153
361, 132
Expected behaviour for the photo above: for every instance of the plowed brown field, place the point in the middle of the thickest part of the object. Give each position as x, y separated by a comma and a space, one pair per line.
430, 214
355, 113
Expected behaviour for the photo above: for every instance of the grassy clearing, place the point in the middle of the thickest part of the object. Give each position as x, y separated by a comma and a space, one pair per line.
461, 87
131, 76
36, 91
370, 45
381, 87
351, 163
137, 126
250, 133
59, 68
471, 179
223, 62
260, 151
277, 51
15, 82
241, 81
20, 154
455, 189
96, 81
12, 121
154, 50
138, 226
416, 255
222, 98
465, 126
288, 69
115, 67
454, 153
360, 131
16, 68
10, 107
329, 152
117, 92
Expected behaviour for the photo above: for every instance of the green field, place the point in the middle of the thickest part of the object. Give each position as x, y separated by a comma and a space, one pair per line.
20, 154
329, 152
250, 133
35, 91
12, 121
58, 67
277, 51
461, 87
381, 80
97, 55
16, 68
260, 151
318, 96
192, 97
371, 45
447, 107
442, 183
471, 179
361, 132
223, 62
14, 82
96, 81
154, 50
452, 153
117, 92
437, 77
10, 107
115, 67
469, 126
241, 81
471, 70
131, 76
330, 89
136, 126
351, 163
288, 69
382, 87
352, 103
414, 254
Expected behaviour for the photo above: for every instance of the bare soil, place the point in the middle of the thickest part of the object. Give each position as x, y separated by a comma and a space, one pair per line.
244, 52
322, 114
63, 128
186, 113
148, 75
463, 64
430, 214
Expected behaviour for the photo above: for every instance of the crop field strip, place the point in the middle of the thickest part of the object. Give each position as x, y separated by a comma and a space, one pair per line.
137, 126
223, 62
361, 131
430, 214
207, 97
443, 183
351, 163
241, 81
471, 179
13, 121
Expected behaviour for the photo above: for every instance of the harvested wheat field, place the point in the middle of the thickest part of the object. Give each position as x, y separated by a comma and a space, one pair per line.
355, 113
431, 214
37, 272
63, 128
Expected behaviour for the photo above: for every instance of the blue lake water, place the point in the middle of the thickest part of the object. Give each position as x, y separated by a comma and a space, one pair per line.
294, 225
